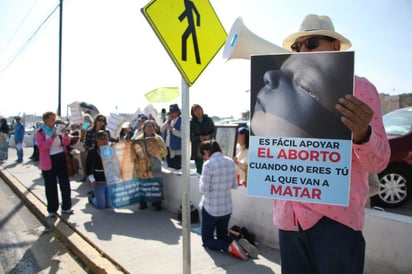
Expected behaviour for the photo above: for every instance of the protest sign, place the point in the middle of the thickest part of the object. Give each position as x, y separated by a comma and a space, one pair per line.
114, 125
299, 149
129, 176
75, 113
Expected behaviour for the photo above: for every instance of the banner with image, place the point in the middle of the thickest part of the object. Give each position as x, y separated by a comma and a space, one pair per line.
132, 172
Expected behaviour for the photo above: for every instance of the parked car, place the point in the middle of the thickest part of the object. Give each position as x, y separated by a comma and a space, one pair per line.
396, 179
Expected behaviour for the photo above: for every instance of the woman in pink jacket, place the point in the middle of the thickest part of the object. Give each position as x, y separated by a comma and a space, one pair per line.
53, 164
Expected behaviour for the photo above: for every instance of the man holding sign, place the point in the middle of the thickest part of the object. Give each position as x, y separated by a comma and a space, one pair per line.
314, 236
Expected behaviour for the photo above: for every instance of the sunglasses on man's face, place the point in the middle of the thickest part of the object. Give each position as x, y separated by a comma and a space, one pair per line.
101, 120
310, 43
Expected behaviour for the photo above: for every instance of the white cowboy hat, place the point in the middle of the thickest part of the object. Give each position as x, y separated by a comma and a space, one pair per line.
314, 24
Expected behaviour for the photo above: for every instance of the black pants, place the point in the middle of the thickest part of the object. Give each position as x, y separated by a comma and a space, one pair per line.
57, 174
175, 162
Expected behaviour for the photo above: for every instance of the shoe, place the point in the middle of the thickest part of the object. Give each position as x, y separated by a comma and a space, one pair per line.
236, 251
67, 211
52, 215
90, 196
250, 249
143, 206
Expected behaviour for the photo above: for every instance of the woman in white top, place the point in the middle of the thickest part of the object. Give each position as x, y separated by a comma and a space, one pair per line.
242, 154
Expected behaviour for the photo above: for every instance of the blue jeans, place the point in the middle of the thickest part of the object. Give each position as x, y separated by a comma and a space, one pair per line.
101, 197
220, 224
327, 247
19, 154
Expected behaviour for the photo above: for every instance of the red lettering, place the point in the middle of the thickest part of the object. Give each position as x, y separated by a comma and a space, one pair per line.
316, 192
274, 190
296, 191
288, 191
334, 157
282, 154
305, 193
293, 154
268, 154
303, 155
311, 155
264, 153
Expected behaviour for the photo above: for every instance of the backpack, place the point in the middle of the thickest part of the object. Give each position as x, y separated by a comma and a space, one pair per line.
194, 214
242, 232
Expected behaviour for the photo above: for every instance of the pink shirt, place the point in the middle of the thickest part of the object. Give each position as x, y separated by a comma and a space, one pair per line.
44, 145
372, 156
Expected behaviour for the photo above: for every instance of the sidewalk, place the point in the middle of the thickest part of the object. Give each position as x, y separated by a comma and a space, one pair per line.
126, 240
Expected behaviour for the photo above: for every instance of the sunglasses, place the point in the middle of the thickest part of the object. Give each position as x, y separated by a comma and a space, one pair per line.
101, 120
310, 43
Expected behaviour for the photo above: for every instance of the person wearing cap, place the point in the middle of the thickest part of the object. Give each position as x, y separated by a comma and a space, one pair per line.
172, 130
126, 133
241, 158
52, 162
95, 173
323, 238
141, 118
202, 128
18, 138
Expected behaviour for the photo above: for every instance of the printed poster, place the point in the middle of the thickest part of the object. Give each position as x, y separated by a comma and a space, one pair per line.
299, 149
133, 171
114, 125
75, 113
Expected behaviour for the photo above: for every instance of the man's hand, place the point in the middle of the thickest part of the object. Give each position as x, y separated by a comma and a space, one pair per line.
356, 115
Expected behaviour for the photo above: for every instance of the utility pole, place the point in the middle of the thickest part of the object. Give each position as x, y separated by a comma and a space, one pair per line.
60, 60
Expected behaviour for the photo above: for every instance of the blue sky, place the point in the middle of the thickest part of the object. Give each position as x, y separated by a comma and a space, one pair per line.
111, 56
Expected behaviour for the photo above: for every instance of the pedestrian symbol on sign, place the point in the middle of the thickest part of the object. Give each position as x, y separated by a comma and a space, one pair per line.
190, 10
190, 45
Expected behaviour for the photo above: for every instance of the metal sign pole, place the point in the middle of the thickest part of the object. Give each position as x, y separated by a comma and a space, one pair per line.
186, 177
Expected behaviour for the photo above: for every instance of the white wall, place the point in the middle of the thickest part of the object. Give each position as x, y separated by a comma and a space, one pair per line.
388, 242
388, 236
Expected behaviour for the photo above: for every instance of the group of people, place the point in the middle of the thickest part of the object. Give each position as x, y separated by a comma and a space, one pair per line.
18, 133
94, 135
313, 238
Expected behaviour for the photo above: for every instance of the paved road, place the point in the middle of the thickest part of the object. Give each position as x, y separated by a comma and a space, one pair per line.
25, 245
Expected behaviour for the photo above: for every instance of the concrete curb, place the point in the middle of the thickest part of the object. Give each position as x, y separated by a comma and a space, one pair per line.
92, 256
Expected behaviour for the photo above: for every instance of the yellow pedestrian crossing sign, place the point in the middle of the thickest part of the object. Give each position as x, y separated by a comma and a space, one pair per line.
189, 30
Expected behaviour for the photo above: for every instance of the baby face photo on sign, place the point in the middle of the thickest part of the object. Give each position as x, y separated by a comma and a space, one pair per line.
294, 95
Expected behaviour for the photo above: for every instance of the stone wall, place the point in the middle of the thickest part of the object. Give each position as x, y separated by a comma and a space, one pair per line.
392, 102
